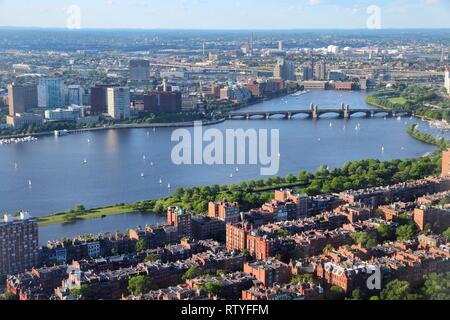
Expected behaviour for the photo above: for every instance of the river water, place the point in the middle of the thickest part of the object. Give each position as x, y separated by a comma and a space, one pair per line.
119, 166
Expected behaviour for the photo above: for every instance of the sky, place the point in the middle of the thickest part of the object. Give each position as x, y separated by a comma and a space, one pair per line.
226, 14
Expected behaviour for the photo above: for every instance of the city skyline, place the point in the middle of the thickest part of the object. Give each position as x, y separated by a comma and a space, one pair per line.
196, 14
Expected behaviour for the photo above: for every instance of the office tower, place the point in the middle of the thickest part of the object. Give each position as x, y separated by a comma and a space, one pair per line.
178, 218
139, 70
118, 100
320, 71
99, 101
225, 211
18, 244
446, 163
75, 95
280, 45
51, 93
22, 98
447, 80
285, 70
163, 102
308, 71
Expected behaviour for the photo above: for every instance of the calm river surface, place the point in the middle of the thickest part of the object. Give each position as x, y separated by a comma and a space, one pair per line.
118, 166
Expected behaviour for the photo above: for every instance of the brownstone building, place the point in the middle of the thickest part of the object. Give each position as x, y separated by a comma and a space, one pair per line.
269, 272
225, 211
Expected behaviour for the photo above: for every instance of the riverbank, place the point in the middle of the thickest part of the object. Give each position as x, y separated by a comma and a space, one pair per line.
119, 127
414, 132
67, 217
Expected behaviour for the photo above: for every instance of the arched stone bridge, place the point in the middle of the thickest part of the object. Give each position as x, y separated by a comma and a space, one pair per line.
314, 112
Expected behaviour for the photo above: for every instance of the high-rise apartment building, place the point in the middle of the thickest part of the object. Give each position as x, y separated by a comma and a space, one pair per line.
139, 70
18, 244
446, 163
178, 218
118, 101
320, 71
75, 95
447, 81
51, 93
285, 70
22, 99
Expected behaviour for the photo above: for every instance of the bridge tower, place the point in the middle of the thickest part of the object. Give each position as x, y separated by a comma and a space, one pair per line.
345, 111
315, 112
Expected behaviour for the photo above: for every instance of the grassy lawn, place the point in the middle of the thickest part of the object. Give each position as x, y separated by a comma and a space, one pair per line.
399, 100
90, 214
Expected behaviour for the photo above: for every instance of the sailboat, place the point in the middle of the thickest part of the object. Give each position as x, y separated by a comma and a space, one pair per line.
160, 181
142, 175
168, 186
237, 169
29, 183
231, 175
15, 165
382, 149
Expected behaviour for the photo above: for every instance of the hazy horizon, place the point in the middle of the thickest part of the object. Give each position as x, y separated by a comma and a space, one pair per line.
221, 15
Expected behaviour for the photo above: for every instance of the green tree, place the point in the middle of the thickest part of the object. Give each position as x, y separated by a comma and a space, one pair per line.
214, 288
357, 295
140, 285
192, 273
437, 286
336, 293
447, 234
328, 248
396, 290
83, 293
302, 278
405, 232
386, 233
141, 245
152, 257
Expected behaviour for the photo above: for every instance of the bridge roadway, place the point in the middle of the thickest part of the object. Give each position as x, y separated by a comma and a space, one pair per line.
314, 112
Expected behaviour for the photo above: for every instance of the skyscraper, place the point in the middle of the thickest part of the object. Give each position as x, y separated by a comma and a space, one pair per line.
320, 70
139, 70
118, 100
285, 70
99, 99
51, 93
22, 98
18, 243
447, 80
75, 95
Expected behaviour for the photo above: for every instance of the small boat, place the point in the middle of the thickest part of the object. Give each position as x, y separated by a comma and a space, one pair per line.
382, 149
89, 140
168, 186
319, 139
231, 175
144, 157
15, 165
331, 125
29, 183
237, 169
142, 175
85, 161
154, 129
160, 181
151, 163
